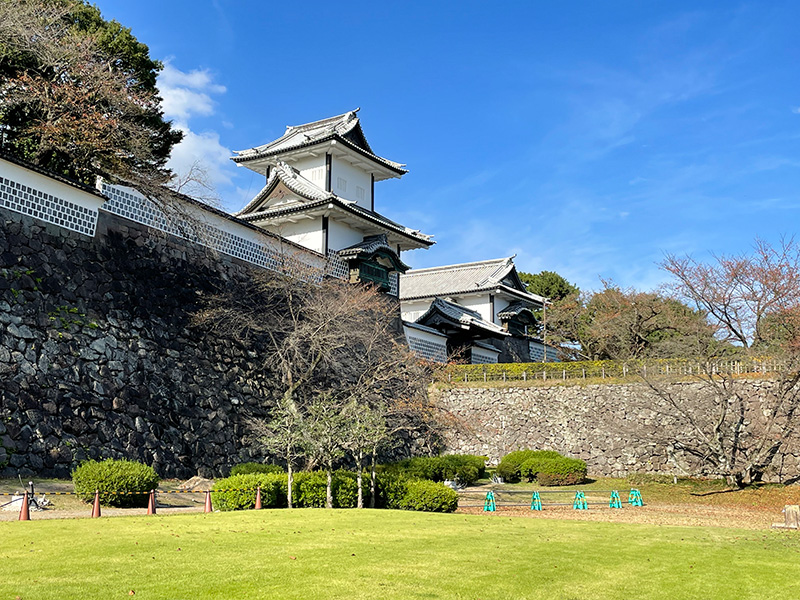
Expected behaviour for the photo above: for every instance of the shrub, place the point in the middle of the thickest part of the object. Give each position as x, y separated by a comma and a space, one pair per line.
466, 468
392, 488
254, 467
510, 465
238, 492
122, 483
555, 471
309, 491
429, 496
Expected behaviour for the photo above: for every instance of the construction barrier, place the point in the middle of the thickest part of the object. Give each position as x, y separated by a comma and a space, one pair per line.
581, 500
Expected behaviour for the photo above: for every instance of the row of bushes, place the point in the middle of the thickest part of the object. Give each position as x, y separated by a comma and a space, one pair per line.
395, 490
464, 468
546, 467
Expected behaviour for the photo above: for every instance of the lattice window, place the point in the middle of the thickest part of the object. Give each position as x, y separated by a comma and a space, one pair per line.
361, 193
394, 285
435, 351
47, 207
337, 267
138, 208
341, 184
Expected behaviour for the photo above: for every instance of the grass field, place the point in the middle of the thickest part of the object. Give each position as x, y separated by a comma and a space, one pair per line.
389, 554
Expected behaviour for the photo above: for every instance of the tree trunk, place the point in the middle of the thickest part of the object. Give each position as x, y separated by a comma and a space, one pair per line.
289, 482
329, 486
359, 463
373, 484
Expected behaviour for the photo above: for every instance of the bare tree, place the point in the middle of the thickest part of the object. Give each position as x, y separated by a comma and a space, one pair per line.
617, 323
367, 429
283, 434
330, 345
196, 182
732, 427
325, 436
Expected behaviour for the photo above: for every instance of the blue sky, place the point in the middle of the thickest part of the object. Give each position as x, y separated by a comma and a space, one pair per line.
587, 138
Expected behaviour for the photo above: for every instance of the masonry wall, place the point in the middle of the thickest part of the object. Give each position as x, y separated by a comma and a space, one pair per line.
99, 358
609, 426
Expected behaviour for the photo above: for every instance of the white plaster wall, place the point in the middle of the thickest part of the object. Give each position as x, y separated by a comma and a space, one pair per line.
341, 235
312, 168
477, 303
499, 305
354, 177
432, 346
195, 215
307, 232
413, 309
47, 185
484, 355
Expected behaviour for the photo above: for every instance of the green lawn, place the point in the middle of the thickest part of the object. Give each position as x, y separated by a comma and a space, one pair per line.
388, 554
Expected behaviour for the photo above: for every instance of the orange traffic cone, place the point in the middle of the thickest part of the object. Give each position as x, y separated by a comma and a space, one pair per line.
258, 499
24, 512
208, 507
151, 503
96, 505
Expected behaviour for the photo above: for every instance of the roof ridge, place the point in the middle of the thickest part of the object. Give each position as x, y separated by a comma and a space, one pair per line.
458, 266
322, 121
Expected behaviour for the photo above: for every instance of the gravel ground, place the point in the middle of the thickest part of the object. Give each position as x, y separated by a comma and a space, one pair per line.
650, 514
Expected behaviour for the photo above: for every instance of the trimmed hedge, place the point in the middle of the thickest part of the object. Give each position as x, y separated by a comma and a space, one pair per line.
429, 496
238, 492
554, 471
395, 490
398, 491
510, 465
466, 468
308, 490
254, 467
116, 480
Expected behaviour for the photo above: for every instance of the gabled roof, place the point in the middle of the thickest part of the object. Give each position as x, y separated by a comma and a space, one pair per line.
514, 309
369, 247
313, 199
344, 128
461, 318
452, 280
291, 178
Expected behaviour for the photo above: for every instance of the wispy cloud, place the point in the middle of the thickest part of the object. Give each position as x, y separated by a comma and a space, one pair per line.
187, 96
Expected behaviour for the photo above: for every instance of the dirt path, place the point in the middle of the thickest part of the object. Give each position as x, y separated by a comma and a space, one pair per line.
651, 514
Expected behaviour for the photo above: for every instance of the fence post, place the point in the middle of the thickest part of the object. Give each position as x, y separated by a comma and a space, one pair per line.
584, 373
484, 377
504, 376
524, 376
544, 375
604, 371
564, 374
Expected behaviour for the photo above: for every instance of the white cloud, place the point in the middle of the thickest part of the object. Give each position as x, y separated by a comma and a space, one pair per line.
796, 110
187, 94
206, 149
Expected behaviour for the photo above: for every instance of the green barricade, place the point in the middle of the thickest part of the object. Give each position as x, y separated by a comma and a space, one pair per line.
580, 502
489, 504
536, 501
635, 498
615, 501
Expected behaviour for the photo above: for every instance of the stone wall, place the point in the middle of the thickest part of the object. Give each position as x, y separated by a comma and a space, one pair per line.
99, 358
613, 427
